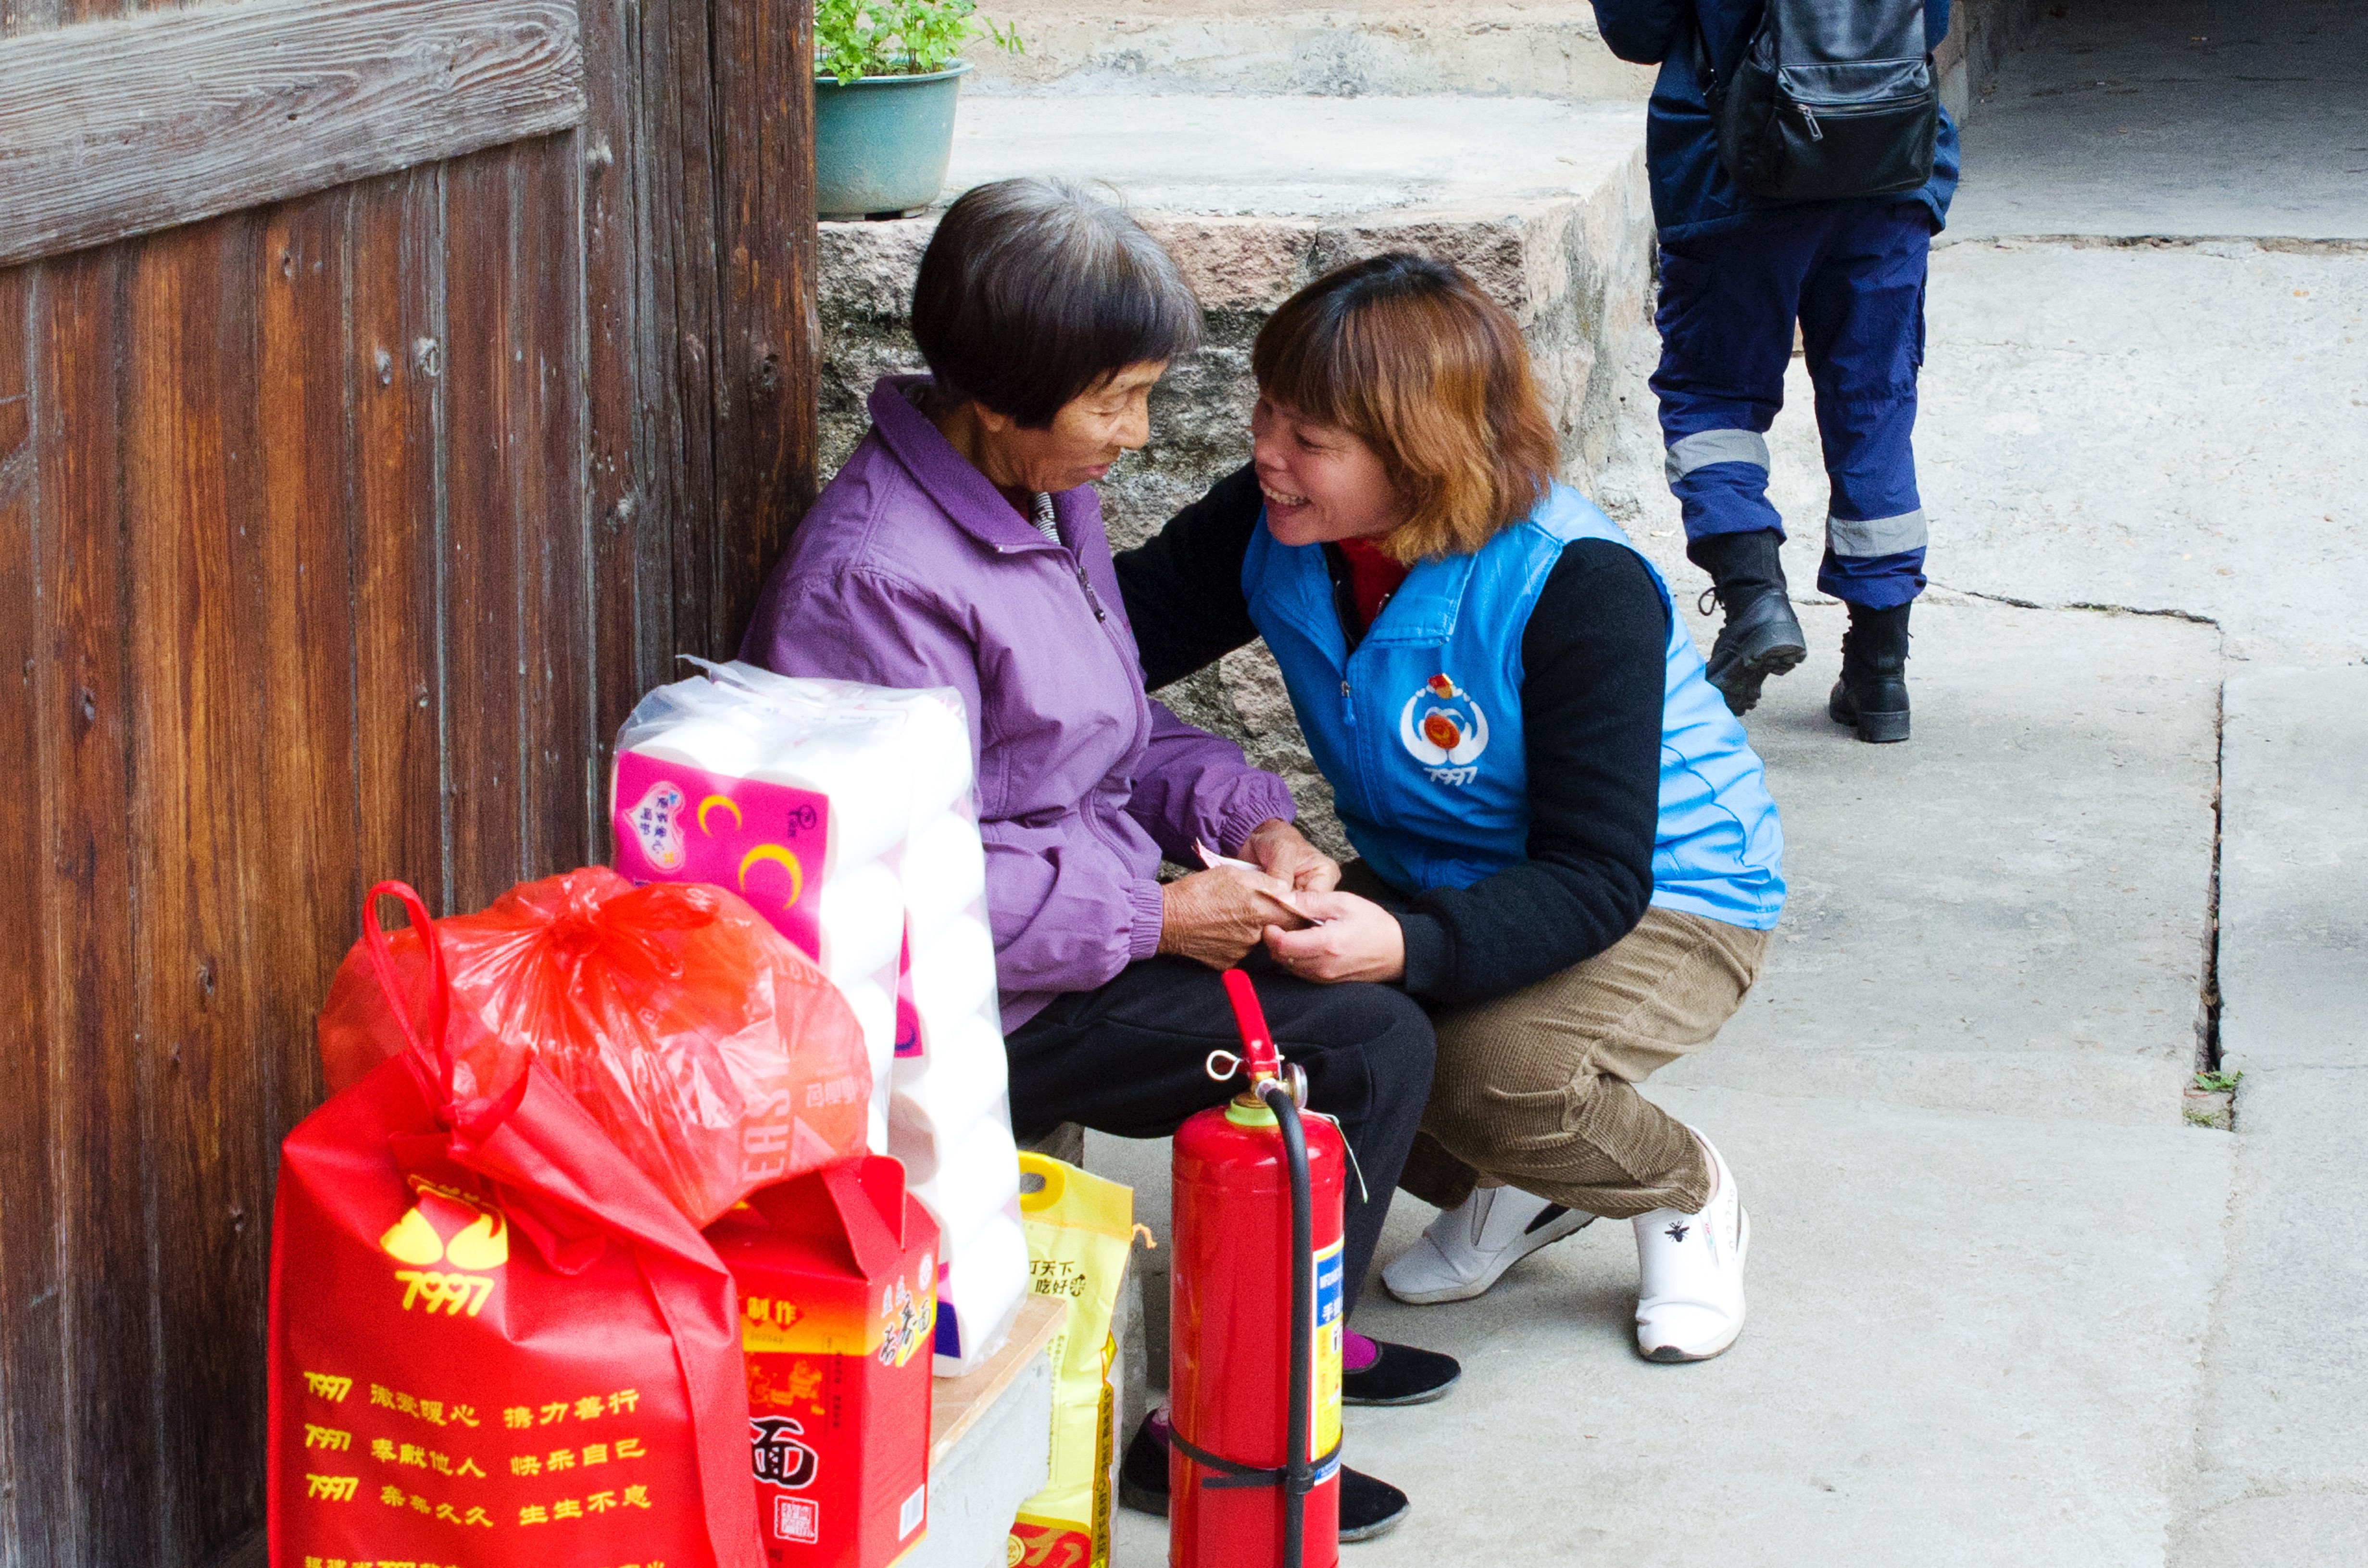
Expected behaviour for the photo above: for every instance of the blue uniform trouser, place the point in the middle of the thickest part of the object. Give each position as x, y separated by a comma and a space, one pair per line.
1854, 276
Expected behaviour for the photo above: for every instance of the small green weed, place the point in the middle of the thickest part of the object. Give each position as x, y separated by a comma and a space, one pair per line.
2217, 1083
899, 38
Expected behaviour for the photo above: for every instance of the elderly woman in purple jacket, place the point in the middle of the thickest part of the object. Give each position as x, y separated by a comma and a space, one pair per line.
963, 546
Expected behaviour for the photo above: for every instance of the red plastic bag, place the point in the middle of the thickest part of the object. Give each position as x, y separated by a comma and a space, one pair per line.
493, 1340
714, 1052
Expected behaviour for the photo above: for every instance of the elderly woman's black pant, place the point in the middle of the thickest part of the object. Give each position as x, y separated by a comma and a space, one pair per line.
1130, 1057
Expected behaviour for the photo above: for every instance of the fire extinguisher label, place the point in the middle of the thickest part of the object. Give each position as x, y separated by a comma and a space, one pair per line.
1324, 1411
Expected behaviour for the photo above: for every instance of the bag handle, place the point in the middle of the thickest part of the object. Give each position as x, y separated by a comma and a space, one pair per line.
440, 985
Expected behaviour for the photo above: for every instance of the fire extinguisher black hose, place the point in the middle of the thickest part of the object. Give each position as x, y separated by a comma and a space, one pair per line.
1299, 1471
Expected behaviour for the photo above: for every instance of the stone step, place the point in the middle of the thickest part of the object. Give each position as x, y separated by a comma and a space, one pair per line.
990, 1445
1544, 202
1508, 48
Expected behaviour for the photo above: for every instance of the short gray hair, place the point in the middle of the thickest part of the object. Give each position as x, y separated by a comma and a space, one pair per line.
1034, 291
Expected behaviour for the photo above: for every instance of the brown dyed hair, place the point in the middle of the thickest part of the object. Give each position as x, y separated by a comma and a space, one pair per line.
1408, 355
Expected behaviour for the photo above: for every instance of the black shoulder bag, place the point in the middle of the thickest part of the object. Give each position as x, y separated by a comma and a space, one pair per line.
1833, 98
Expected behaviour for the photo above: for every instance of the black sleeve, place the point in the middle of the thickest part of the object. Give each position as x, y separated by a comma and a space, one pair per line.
1641, 30
1593, 660
1183, 585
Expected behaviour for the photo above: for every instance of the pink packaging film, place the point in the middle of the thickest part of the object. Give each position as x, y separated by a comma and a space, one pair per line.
765, 842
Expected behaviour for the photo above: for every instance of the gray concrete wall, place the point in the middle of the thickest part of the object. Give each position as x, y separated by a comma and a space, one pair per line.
1518, 48
1981, 34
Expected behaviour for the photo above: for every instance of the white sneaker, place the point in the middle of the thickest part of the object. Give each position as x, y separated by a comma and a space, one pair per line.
1470, 1245
1689, 1300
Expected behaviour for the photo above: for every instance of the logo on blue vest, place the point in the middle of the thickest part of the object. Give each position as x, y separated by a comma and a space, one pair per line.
1445, 731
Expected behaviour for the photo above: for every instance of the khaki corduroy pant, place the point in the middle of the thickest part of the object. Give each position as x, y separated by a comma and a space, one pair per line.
1538, 1089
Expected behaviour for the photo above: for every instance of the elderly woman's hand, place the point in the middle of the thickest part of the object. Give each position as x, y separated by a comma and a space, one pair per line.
1357, 940
1284, 852
1218, 915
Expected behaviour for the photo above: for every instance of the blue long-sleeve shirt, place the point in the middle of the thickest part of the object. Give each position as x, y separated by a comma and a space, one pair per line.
1691, 194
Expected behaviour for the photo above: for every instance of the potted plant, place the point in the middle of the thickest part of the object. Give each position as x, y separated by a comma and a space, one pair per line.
886, 73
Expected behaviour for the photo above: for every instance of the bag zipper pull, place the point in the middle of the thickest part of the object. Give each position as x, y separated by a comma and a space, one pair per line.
1811, 122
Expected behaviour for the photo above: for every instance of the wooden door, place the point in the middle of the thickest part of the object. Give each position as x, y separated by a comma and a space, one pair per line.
389, 389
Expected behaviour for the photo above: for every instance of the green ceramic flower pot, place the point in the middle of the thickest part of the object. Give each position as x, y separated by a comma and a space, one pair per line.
882, 143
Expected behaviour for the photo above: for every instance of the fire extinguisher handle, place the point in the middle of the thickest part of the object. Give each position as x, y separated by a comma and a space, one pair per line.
1257, 1041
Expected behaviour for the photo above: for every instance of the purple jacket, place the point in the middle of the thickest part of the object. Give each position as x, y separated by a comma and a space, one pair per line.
911, 570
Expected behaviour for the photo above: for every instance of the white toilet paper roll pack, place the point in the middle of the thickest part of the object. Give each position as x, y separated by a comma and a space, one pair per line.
901, 871
985, 1275
713, 743
976, 1180
874, 1006
936, 743
953, 978
853, 762
923, 735
860, 914
945, 875
940, 1092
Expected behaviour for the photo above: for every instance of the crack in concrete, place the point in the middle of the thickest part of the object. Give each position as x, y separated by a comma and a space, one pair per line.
2169, 614
2207, 1021
2292, 244
2093, 606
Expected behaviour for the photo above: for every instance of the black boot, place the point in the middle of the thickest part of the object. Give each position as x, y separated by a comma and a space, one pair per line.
1872, 696
1761, 637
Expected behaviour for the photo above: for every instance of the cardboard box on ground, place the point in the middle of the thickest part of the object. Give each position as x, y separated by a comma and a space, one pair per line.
836, 1274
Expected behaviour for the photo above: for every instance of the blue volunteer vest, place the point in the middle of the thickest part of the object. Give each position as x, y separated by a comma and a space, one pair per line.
1419, 730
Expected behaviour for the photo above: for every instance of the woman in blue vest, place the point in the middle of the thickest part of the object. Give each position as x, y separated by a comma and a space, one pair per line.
1568, 853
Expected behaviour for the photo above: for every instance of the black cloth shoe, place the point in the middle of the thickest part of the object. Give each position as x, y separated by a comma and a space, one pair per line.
1367, 1506
1142, 1473
1400, 1375
1872, 696
1761, 636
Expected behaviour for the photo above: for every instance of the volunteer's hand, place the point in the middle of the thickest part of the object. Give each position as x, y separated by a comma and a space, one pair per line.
1285, 853
1217, 915
1358, 939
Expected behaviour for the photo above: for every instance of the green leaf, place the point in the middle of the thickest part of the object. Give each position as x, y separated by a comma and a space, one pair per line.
854, 39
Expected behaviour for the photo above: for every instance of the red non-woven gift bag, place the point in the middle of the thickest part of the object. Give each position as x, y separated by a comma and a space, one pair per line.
714, 1052
494, 1341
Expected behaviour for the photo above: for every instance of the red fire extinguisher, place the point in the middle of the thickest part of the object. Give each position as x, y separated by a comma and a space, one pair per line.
1254, 1366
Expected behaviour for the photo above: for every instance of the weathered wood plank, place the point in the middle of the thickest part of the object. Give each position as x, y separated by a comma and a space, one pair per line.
490, 442
312, 888
679, 104
766, 410
396, 365
107, 1426
555, 639
35, 1515
198, 834
616, 458
219, 455
110, 129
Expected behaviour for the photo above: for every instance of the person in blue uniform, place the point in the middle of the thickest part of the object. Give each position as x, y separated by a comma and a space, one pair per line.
1736, 273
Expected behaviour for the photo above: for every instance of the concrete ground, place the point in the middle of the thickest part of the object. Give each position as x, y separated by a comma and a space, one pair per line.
2176, 117
2282, 1452
1984, 1246
1299, 156
1545, 49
